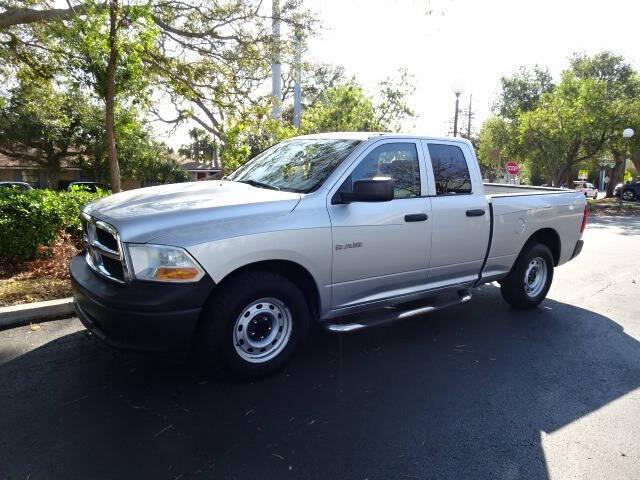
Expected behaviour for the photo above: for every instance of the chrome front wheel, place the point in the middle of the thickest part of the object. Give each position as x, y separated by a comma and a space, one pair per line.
262, 330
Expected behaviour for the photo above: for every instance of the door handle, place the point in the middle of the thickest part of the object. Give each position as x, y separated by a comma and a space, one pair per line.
475, 213
416, 217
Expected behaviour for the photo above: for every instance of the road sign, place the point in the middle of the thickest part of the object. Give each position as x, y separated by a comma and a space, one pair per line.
583, 174
513, 168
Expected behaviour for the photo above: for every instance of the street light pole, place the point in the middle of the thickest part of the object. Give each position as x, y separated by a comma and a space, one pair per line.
626, 135
455, 118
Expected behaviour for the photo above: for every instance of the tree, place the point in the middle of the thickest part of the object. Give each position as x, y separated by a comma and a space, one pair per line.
622, 94
141, 157
342, 108
347, 107
250, 133
316, 79
42, 123
522, 91
495, 147
569, 126
393, 107
207, 58
203, 147
557, 129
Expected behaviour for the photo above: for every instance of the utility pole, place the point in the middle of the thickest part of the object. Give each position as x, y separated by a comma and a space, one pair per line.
455, 118
469, 114
297, 67
276, 67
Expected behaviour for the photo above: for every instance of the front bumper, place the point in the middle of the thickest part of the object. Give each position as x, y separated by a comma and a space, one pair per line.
145, 316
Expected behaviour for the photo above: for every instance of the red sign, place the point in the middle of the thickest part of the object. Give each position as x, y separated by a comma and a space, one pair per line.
513, 168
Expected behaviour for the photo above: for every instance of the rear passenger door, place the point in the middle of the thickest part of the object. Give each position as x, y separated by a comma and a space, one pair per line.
460, 213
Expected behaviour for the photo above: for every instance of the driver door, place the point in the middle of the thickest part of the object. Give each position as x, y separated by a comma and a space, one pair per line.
381, 249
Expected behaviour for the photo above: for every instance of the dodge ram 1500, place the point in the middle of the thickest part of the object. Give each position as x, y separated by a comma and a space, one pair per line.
346, 229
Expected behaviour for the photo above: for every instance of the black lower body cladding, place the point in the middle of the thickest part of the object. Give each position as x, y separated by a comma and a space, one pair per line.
145, 316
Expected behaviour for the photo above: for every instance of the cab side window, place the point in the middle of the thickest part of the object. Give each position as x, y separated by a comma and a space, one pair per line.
398, 161
450, 170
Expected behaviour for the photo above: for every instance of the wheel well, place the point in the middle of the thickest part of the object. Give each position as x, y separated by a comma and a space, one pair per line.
550, 238
291, 270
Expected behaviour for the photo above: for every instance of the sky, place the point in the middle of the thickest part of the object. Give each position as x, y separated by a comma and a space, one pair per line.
466, 43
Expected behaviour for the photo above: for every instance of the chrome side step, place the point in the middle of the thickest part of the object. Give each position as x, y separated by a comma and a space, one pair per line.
392, 314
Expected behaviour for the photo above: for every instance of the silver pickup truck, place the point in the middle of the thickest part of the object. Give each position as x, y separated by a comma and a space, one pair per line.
346, 229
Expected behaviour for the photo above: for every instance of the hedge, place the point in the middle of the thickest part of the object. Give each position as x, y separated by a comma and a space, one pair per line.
34, 218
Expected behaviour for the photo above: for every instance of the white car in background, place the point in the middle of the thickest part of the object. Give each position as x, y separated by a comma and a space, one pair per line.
587, 188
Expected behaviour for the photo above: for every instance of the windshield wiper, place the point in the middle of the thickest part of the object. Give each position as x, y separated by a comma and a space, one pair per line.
255, 183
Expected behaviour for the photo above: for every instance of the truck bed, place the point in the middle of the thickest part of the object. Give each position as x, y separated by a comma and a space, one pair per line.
505, 190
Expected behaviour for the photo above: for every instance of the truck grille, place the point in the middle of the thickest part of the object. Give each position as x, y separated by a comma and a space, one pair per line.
104, 249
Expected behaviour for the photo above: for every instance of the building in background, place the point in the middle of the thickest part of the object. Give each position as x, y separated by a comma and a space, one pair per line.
21, 170
200, 170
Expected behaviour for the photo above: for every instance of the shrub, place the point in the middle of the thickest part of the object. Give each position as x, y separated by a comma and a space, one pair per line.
33, 219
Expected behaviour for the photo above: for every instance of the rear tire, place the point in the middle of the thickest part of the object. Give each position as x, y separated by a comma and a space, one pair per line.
628, 195
529, 280
253, 323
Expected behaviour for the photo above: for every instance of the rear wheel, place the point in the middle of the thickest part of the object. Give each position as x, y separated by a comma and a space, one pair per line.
254, 323
628, 195
530, 278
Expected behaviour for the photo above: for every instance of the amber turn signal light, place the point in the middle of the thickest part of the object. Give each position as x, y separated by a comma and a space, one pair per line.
176, 273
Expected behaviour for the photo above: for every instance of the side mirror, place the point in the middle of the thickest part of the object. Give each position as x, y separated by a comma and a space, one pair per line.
373, 190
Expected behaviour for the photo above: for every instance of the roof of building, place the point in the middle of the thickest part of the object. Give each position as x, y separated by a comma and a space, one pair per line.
193, 166
12, 162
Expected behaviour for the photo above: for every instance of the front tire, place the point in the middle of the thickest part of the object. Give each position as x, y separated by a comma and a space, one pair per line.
253, 323
527, 284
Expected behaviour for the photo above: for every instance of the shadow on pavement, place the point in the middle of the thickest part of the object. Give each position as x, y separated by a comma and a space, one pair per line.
626, 225
462, 393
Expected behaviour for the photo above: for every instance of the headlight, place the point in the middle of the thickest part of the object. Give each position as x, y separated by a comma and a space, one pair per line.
161, 263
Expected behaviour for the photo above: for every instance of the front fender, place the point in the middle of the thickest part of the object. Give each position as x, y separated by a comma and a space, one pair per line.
310, 248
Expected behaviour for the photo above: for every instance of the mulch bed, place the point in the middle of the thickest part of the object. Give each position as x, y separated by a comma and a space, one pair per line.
46, 278
610, 207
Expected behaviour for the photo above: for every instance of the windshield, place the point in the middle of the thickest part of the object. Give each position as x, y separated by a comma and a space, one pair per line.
300, 165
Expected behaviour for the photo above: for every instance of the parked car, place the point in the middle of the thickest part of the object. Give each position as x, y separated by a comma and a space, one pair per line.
84, 185
350, 230
587, 188
630, 192
22, 186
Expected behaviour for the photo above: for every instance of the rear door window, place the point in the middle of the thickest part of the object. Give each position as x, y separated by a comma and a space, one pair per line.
450, 170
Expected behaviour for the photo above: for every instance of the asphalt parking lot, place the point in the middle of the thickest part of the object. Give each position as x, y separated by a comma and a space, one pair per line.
476, 391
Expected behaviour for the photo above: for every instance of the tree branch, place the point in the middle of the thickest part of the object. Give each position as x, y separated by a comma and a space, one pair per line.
22, 16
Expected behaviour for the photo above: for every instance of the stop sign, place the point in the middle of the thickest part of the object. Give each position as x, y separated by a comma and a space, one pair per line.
513, 168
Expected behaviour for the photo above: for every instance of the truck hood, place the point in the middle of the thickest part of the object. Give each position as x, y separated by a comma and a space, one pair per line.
147, 213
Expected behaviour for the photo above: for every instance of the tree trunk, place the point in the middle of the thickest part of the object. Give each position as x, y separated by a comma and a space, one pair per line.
110, 98
635, 159
615, 173
560, 176
53, 170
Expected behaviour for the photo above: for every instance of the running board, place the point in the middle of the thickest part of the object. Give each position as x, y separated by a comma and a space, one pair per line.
392, 314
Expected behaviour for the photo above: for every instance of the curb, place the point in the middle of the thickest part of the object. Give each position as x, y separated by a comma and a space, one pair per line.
33, 312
